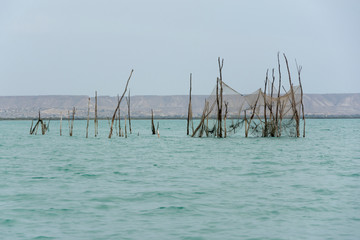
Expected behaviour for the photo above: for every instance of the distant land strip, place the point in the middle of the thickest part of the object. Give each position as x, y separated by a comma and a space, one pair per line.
166, 107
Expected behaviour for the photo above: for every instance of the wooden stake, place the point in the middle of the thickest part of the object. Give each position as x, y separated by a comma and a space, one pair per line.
152, 122
220, 101
118, 98
299, 68
189, 107
278, 134
60, 123
72, 122
32, 122
96, 120
88, 116
226, 112
125, 128
264, 95
253, 113
69, 123
293, 100
246, 128
128, 103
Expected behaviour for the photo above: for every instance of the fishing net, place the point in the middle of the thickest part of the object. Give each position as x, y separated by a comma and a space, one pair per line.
264, 114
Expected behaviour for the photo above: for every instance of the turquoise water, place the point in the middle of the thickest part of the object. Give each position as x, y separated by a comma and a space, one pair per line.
177, 187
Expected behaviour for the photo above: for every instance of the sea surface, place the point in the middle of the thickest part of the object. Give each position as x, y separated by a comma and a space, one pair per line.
178, 187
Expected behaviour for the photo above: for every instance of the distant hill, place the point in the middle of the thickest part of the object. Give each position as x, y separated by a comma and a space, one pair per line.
321, 105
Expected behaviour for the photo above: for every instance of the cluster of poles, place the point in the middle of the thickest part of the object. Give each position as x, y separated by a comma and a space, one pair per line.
266, 113
71, 117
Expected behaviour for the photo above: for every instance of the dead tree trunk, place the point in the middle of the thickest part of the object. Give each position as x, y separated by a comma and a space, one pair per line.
118, 105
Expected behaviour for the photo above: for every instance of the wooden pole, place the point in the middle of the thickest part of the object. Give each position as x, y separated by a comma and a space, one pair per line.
125, 128
118, 105
118, 99
189, 108
205, 114
60, 123
253, 113
32, 122
278, 134
264, 95
152, 122
245, 119
220, 101
72, 122
225, 115
129, 112
293, 99
87, 123
271, 106
299, 68
69, 123
96, 120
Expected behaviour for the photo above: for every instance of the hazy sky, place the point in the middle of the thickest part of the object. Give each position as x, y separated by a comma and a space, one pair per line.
79, 46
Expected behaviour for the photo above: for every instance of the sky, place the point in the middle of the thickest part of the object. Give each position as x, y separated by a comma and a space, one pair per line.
67, 47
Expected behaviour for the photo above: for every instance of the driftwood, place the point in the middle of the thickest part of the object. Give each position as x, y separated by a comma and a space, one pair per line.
118, 105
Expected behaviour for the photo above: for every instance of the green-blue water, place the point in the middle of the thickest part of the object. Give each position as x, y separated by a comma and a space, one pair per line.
177, 187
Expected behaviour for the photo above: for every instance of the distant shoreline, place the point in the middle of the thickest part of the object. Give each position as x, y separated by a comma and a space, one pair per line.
176, 118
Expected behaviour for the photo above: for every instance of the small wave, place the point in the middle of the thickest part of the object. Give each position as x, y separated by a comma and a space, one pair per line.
7, 222
88, 175
172, 208
43, 237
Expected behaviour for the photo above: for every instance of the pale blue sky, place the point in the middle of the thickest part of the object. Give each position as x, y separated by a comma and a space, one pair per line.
79, 46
